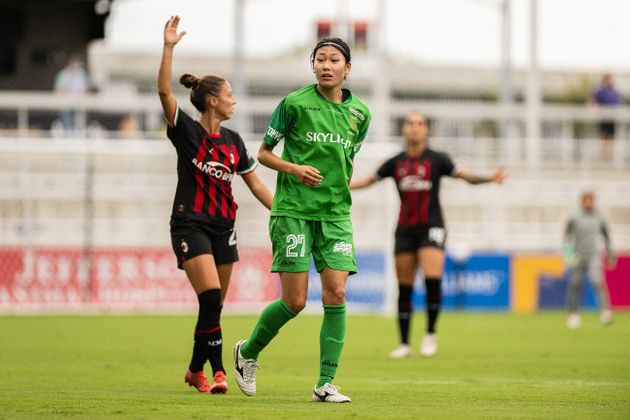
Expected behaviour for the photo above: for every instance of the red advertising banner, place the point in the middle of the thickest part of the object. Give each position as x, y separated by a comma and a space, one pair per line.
618, 280
43, 279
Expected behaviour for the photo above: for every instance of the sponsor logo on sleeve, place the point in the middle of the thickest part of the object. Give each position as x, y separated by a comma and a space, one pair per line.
274, 134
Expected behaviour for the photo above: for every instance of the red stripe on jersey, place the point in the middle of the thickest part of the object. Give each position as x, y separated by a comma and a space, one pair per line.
225, 186
397, 167
233, 205
212, 187
417, 196
405, 207
199, 180
424, 209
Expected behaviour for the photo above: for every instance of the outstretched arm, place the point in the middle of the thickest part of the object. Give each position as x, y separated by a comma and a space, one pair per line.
308, 175
171, 38
363, 182
258, 188
498, 176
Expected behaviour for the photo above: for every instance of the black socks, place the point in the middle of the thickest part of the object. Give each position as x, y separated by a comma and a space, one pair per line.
208, 336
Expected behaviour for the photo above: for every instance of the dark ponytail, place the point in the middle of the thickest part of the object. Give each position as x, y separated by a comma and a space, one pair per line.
189, 81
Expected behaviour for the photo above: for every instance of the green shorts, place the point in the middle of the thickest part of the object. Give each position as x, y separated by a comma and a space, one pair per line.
294, 241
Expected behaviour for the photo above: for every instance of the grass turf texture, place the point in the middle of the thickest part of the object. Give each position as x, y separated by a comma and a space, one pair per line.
489, 365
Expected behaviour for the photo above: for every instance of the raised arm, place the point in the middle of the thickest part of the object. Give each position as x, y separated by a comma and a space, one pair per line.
171, 38
498, 176
308, 175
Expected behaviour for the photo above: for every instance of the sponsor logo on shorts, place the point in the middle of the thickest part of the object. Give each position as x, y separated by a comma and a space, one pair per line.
342, 248
184, 247
287, 263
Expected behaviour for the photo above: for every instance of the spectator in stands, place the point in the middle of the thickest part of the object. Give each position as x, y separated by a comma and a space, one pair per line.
420, 236
606, 95
582, 257
204, 210
128, 127
71, 80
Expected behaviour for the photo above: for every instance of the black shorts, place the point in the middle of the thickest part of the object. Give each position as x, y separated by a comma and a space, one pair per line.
412, 238
606, 128
191, 239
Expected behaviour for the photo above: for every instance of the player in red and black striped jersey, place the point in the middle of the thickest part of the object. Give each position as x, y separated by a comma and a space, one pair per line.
206, 165
204, 210
420, 234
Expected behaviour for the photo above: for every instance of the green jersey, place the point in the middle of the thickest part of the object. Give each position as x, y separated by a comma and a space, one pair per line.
326, 136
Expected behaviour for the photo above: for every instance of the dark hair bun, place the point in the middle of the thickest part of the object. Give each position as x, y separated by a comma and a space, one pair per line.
189, 81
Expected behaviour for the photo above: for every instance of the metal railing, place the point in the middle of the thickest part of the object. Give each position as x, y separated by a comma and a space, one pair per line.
113, 193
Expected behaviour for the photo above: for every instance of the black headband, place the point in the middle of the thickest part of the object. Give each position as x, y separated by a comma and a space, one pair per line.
341, 49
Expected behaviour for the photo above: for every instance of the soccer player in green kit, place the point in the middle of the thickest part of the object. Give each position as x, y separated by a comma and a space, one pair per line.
323, 126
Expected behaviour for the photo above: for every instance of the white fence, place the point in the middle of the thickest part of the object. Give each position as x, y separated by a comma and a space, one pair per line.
118, 193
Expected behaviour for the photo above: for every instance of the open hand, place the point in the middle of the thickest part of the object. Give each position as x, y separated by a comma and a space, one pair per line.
499, 175
171, 37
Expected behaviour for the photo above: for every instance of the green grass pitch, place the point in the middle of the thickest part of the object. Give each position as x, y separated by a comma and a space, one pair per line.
489, 365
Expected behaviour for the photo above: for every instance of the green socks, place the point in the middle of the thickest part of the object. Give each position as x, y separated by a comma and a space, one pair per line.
272, 318
331, 336
331, 339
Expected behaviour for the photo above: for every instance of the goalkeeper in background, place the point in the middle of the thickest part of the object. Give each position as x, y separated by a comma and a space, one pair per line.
582, 257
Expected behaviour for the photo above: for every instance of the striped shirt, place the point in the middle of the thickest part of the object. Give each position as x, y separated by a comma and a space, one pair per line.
418, 182
206, 164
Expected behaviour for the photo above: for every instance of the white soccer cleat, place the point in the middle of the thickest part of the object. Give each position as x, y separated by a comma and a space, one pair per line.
574, 321
429, 345
402, 351
606, 317
329, 393
244, 370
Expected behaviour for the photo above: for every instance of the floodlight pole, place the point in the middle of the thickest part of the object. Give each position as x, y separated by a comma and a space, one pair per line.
382, 82
239, 85
533, 94
343, 20
507, 94
506, 91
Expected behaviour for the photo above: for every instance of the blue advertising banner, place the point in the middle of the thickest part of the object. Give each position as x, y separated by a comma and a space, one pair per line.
364, 290
482, 281
552, 292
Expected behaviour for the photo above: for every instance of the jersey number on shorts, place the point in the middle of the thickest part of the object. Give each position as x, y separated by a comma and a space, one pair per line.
293, 242
232, 240
437, 235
